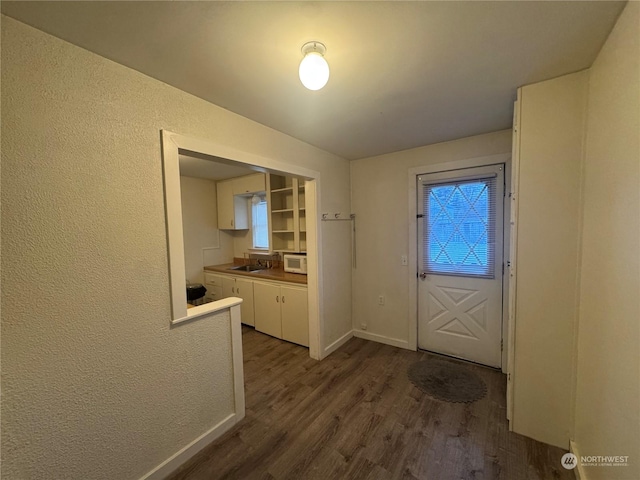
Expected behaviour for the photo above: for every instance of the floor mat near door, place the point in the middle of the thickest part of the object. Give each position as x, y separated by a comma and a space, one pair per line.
447, 381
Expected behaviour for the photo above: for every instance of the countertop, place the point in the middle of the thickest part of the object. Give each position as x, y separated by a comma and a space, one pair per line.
269, 274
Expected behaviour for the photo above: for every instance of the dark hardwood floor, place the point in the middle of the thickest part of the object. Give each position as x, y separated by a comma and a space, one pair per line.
355, 415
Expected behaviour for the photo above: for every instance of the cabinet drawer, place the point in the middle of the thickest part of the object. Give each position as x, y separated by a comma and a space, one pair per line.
213, 280
213, 293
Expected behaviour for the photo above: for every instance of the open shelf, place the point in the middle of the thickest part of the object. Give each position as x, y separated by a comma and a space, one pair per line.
287, 214
281, 182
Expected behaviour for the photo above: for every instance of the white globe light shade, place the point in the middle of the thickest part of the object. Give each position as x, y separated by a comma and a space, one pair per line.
314, 71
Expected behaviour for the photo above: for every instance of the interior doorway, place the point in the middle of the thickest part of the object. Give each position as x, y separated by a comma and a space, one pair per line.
460, 263
174, 145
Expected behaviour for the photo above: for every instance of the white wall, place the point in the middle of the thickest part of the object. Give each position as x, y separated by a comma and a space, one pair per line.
204, 244
380, 198
242, 241
95, 383
607, 417
549, 212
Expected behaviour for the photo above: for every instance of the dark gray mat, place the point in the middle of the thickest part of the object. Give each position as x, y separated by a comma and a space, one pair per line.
447, 381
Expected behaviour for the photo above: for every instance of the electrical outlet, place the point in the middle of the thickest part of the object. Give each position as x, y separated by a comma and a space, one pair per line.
363, 326
381, 300
404, 260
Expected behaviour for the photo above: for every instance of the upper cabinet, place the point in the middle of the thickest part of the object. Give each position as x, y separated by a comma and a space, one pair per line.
232, 202
287, 214
249, 184
231, 215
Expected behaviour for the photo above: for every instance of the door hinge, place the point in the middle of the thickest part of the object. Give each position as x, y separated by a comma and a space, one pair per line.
501, 345
502, 268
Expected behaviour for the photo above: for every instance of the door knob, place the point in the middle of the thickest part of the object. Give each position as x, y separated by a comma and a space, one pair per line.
423, 275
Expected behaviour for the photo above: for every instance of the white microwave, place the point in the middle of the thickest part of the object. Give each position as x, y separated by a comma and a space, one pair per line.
295, 264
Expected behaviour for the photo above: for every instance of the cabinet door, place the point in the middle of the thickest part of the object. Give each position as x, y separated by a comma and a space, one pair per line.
266, 300
226, 206
244, 290
249, 184
229, 287
295, 318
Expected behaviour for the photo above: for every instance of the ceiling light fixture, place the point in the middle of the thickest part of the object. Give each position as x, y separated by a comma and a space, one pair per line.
314, 69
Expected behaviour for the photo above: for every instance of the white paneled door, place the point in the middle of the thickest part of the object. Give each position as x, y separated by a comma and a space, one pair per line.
460, 233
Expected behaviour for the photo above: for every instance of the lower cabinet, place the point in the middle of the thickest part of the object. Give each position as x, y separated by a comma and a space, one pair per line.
295, 316
266, 297
213, 284
281, 311
238, 287
273, 308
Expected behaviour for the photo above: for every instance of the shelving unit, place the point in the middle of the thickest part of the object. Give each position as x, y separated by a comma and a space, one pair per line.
302, 218
287, 214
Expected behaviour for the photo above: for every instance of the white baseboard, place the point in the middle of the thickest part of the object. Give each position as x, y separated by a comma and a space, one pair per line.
172, 463
374, 337
337, 344
579, 470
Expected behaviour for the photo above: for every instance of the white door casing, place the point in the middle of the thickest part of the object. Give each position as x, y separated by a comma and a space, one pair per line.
460, 263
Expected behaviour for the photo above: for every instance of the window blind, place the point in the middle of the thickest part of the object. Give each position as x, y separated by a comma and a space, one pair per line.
459, 233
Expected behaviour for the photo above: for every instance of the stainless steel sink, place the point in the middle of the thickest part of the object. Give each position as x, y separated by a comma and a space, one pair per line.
246, 268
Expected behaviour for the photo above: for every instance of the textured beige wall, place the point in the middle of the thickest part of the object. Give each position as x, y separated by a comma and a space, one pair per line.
200, 228
549, 212
379, 198
95, 383
607, 418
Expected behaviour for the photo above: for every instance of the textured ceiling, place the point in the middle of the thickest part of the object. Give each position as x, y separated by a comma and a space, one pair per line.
403, 74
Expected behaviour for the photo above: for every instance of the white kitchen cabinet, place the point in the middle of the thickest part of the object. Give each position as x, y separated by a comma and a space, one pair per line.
244, 290
228, 287
249, 184
213, 284
241, 288
232, 195
295, 319
232, 210
281, 311
266, 299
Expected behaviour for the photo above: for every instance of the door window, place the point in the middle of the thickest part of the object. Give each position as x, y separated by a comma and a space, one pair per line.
459, 234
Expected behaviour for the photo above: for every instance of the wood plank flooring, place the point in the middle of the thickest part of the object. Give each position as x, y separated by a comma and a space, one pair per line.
355, 415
